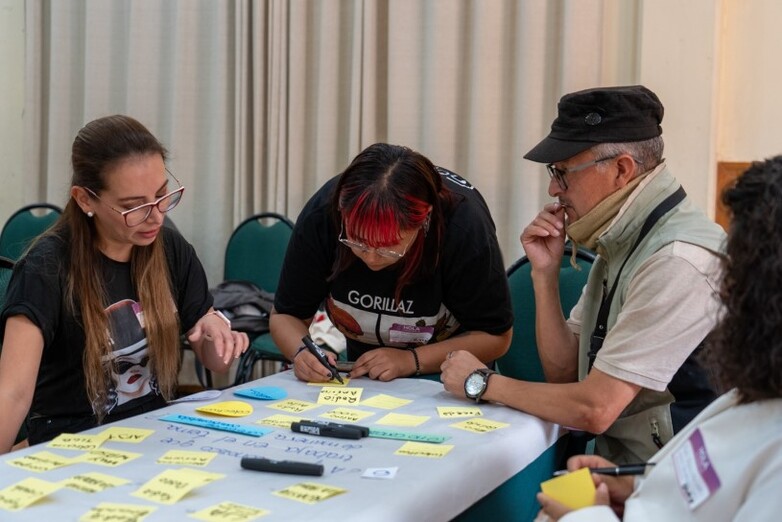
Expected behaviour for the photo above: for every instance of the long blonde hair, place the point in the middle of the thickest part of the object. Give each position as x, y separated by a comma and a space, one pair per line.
100, 145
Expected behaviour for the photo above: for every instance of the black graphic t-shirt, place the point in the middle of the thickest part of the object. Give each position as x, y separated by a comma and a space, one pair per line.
467, 292
36, 291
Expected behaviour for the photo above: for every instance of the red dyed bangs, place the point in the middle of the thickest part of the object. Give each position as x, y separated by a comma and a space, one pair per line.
378, 224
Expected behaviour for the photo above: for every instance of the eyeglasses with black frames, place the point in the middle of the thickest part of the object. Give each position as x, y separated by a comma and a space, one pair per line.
559, 174
137, 215
361, 247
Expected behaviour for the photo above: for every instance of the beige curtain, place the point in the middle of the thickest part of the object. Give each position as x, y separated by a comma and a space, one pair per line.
260, 102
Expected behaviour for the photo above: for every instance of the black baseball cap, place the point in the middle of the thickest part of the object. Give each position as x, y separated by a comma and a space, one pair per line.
600, 115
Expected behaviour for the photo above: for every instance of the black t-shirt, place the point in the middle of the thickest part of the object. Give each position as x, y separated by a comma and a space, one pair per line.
36, 290
467, 292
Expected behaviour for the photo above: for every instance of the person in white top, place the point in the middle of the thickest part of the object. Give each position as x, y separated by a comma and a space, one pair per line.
727, 463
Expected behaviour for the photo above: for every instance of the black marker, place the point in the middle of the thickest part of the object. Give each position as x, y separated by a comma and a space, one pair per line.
363, 429
282, 466
616, 471
318, 353
322, 430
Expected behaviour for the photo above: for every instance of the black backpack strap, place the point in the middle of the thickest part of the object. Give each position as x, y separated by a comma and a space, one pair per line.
599, 333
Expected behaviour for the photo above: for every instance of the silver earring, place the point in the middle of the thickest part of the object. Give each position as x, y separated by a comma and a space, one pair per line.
90, 213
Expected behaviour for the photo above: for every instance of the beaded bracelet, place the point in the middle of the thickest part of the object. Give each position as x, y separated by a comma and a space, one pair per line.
417, 364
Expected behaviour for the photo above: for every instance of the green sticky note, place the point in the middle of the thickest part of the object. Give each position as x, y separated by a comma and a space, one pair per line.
403, 435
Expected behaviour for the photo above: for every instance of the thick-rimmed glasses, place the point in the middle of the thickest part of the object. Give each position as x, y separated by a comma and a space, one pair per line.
361, 247
137, 215
559, 174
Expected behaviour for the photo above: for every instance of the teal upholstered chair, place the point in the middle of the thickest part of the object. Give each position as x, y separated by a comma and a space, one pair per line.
515, 499
255, 252
24, 225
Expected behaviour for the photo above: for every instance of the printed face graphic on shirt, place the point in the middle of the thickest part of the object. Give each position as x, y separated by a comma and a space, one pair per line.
128, 363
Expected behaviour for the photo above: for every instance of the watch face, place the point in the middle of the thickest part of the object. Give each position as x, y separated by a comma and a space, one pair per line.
474, 385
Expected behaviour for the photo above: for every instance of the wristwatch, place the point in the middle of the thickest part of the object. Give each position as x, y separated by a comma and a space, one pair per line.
476, 383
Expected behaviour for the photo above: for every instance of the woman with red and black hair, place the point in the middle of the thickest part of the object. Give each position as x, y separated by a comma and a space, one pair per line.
404, 257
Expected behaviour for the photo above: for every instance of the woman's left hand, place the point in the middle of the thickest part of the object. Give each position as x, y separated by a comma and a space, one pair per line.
228, 344
384, 364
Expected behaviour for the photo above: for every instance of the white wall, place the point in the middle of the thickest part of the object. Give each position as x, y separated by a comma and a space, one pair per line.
11, 106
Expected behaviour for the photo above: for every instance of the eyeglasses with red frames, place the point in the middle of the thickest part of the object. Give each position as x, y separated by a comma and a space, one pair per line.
137, 215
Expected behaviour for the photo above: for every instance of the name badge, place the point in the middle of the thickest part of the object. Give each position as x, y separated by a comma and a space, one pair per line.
409, 333
695, 474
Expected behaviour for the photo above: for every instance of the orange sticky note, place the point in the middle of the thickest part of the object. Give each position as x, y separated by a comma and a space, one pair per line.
575, 490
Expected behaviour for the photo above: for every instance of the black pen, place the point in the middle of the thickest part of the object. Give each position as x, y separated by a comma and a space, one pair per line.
320, 356
282, 466
616, 471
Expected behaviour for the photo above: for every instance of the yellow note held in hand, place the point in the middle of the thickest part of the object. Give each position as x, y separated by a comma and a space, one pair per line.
575, 490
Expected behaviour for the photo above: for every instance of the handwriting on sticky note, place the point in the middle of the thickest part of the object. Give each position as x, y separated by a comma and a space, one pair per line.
186, 458
169, 486
41, 461
106, 511
93, 482
279, 421
129, 435
401, 419
293, 406
480, 425
347, 414
336, 395
386, 402
575, 490
452, 412
422, 449
227, 409
25, 492
105, 457
229, 512
262, 393
77, 441
309, 492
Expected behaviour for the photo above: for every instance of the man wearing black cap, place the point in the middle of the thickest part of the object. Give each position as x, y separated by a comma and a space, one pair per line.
609, 368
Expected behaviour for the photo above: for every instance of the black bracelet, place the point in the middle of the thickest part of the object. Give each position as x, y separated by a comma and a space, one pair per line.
417, 364
301, 349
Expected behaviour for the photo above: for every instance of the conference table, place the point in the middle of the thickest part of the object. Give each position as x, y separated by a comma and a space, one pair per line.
429, 456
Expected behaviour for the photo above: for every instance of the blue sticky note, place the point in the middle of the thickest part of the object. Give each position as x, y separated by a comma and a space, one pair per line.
252, 431
263, 393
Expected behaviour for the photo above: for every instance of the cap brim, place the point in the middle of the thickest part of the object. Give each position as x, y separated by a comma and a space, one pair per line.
552, 150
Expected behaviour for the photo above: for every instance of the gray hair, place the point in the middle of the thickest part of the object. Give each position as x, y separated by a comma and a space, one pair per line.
647, 153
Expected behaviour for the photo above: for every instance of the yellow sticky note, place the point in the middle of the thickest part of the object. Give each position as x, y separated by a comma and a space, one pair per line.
293, 406
279, 421
337, 395
347, 414
575, 490
129, 435
227, 409
309, 492
171, 485
93, 482
105, 457
386, 402
41, 461
111, 511
453, 412
480, 425
229, 512
78, 441
25, 492
400, 419
186, 458
424, 449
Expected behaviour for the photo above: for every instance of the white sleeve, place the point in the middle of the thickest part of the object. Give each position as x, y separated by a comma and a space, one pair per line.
590, 514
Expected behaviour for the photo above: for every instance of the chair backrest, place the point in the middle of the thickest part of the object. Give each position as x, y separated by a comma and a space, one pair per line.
24, 225
522, 361
6, 269
256, 250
